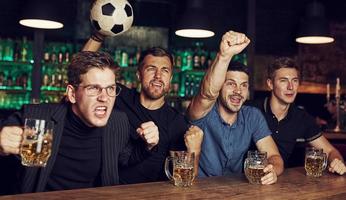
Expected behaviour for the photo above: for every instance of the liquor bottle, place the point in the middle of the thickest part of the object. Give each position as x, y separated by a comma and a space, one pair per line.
67, 57
187, 63
54, 56
197, 55
197, 84
52, 81
45, 81
24, 50
2, 79
24, 80
191, 92
9, 81
187, 85
8, 50
16, 53
46, 56
204, 59
178, 59
1, 48
60, 56
117, 56
124, 59
138, 54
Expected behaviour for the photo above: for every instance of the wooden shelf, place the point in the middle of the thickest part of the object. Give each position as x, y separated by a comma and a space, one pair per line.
308, 88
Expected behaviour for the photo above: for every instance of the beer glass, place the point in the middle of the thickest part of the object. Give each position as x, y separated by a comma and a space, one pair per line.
37, 142
183, 168
315, 161
254, 164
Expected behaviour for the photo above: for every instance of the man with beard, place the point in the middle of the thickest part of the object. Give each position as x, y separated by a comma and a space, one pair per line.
228, 126
148, 109
90, 139
287, 121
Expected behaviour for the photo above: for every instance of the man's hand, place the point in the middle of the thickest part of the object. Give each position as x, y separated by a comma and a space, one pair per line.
149, 132
10, 139
232, 43
337, 166
270, 177
193, 139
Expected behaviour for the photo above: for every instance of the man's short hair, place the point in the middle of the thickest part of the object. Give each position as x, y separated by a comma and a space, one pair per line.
239, 67
155, 51
281, 62
83, 61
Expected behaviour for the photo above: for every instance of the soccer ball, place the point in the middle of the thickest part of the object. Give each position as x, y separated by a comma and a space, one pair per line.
111, 17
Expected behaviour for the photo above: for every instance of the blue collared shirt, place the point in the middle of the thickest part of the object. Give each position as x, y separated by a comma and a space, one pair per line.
224, 145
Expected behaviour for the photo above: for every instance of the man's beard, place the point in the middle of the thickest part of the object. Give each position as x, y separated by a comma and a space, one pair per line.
229, 106
151, 92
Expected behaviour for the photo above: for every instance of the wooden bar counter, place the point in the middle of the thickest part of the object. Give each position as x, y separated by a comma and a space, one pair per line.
293, 184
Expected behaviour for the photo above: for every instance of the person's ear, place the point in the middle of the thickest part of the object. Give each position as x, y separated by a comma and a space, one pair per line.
270, 84
71, 93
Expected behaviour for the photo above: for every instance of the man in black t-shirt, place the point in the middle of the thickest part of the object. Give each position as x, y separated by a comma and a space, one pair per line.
148, 108
287, 121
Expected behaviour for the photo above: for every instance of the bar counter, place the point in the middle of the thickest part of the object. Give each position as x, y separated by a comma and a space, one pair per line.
292, 184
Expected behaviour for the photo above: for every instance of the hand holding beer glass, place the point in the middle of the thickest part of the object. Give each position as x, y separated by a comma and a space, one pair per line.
254, 165
183, 168
36, 146
315, 161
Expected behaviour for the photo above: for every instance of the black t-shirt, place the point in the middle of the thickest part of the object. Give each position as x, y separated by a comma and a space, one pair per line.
297, 125
172, 126
78, 161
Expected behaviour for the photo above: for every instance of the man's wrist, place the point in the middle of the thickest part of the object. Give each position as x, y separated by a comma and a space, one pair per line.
196, 151
98, 37
224, 58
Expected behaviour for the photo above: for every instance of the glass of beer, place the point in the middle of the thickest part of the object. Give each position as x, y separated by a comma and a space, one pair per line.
254, 164
183, 168
37, 142
315, 161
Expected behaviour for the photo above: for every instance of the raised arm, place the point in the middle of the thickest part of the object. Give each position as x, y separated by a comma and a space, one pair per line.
94, 43
231, 44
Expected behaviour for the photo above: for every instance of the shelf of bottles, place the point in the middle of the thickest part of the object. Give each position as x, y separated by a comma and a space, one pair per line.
15, 73
56, 58
16, 64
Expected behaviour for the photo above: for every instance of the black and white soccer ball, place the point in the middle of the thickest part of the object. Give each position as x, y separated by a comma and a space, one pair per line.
111, 17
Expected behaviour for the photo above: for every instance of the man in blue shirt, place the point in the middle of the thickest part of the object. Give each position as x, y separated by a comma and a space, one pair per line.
228, 126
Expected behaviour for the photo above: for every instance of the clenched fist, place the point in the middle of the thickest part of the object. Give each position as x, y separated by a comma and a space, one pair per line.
232, 43
10, 139
193, 139
149, 132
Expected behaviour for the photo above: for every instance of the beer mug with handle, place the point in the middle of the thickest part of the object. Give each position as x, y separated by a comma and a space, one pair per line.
183, 168
37, 140
254, 164
315, 161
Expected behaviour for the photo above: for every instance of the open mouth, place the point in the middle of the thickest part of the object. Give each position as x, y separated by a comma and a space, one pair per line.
100, 111
157, 84
235, 99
